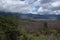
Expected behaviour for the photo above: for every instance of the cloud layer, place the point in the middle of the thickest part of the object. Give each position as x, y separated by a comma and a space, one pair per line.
14, 6
49, 7
31, 6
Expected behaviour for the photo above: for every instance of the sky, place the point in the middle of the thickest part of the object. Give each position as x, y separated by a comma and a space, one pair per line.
31, 6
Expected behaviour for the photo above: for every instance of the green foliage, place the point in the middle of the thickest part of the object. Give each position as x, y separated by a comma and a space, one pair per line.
9, 26
45, 26
11, 30
58, 30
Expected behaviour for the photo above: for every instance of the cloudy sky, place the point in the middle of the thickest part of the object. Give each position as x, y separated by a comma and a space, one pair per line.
31, 6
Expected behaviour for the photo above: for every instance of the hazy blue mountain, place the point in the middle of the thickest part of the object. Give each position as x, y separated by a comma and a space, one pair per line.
31, 16
38, 16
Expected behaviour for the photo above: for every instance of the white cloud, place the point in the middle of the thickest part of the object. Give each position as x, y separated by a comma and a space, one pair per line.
49, 7
14, 6
27, 6
55, 4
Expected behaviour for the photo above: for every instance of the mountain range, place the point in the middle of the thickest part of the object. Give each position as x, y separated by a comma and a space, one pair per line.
32, 16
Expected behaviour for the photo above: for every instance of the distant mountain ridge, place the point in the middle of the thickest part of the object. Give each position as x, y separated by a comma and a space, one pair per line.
38, 16
31, 16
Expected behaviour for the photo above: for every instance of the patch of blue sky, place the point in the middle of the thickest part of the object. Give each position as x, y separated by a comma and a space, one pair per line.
31, 2
36, 8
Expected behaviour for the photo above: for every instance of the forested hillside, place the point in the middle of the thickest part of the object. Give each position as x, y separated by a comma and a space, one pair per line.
14, 28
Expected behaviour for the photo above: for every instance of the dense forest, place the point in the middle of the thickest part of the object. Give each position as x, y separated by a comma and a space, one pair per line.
12, 29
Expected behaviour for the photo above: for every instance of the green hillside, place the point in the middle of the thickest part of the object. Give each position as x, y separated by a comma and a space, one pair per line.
14, 28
